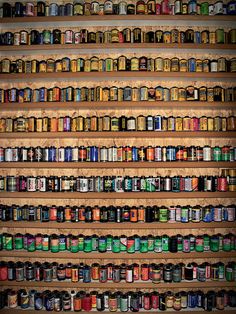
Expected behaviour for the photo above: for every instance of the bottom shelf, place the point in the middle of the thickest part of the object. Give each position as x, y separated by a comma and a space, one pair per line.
226, 310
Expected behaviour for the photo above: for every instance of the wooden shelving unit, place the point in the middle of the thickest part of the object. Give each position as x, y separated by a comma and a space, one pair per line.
116, 195
121, 105
109, 134
109, 255
112, 225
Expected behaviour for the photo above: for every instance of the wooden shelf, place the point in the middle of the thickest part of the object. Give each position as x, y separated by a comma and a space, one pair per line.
41, 19
114, 225
117, 75
118, 105
136, 256
116, 195
117, 165
96, 135
28, 48
120, 285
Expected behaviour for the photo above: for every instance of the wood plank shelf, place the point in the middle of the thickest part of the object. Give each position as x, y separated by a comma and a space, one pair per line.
117, 75
120, 285
119, 105
116, 195
42, 19
112, 225
117, 165
109, 255
107, 134
28, 48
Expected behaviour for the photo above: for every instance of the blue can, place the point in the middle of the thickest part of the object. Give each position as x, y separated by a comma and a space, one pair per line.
157, 123
134, 151
192, 65
206, 214
42, 94
136, 243
52, 154
68, 154
128, 184
49, 302
170, 153
41, 38
94, 153
38, 301
197, 37
87, 274
77, 94
192, 299
66, 124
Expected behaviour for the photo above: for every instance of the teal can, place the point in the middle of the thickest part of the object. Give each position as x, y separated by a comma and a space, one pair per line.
143, 244
136, 243
88, 244
165, 243
150, 243
8, 242
206, 242
80, 243
94, 242
116, 245
221, 270
229, 272
102, 244
214, 243
157, 244
217, 155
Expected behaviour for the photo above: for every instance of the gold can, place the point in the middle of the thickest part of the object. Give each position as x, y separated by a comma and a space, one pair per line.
164, 124
210, 94
205, 37
5, 65
74, 124
113, 93
179, 123
192, 124
223, 124
231, 123
232, 172
3, 125
8, 125
94, 123
31, 124
203, 93
53, 124
167, 37
210, 124
43, 66
120, 94
122, 63
181, 94
94, 64
212, 37
199, 65
221, 65
159, 64
232, 36
106, 125
183, 65
98, 93
45, 124
205, 65
87, 65
174, 65
100, 124
159, 93
186, 123
166, 65
34, 66
141, 123
203, 123
217, 124
171, 124
58, 66
135, 94
87, 124
174, 94
50, 67
114, 124
106, 94
73, 65
60, 124
115, 35
233, 65
174, 36
80, 123
134, 64
39, 125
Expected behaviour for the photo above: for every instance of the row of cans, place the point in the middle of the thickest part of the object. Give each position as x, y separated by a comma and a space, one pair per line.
114, 93
117, 184
119, 214
118, 301
115, 35
156, 273
118, 124
116, 244
121, 63
117, 154
109, 7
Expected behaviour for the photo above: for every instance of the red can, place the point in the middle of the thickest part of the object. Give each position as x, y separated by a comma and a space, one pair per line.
53, 213
155, 300
144, 272
3, 271
222, 184
87, 303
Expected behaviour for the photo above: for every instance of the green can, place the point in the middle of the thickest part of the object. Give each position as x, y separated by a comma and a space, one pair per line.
74, 244
163, 214
199, 247
94, 242
180, 244
150, 184
221, 270
45, 242
204, 8
214, 243
123, 243
109, 242
150, 243
18, 241
31, 245
54, 243
8, 242
1, 242
220, 36
206, 242
143, 244
157, 244
38, 242
102, 244
130, 245
165, 243
80, 243
217, 156
229, 272
88, 244
116, 245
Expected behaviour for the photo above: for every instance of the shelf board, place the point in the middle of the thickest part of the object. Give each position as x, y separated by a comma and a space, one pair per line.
118, 165
116, 105
109, 134
41, 19
109, 255
117, 75
28, 48
116, 195
115, 225
120, 285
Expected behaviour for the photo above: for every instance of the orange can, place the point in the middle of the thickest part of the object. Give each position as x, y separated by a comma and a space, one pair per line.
141, 214
150, 153
134, 214
53, 125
